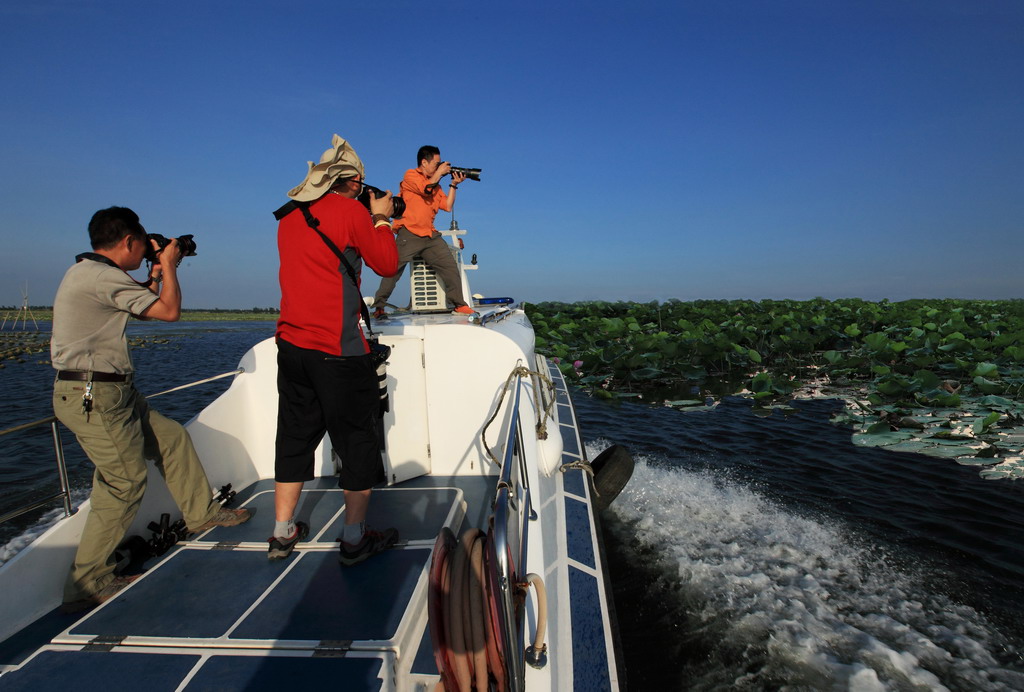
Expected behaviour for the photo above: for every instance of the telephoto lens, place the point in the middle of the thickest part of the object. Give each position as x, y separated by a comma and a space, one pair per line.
471, 173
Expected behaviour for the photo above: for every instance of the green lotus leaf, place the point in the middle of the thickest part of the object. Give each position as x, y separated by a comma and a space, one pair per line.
986, 370
926, 380
881, 440
647, 373
977, 461
832, 357
952, 435
908, 446
876, 341
983, 424
999, 402
942, 452
997, 473
987, 386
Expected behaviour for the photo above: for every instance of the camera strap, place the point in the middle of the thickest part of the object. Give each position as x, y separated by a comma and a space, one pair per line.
314, 223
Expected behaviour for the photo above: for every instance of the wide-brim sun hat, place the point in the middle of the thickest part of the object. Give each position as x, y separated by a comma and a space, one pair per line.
340, 161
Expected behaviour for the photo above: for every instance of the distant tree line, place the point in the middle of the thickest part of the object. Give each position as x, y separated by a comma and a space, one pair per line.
273, 310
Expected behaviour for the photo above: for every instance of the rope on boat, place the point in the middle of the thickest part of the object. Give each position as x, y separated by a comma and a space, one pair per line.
239, 371
542, 422
582, 465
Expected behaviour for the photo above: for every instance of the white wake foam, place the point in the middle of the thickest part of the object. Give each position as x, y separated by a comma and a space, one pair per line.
15, 545
781, 601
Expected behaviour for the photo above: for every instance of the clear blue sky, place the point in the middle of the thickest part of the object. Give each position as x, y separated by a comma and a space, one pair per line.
631, 150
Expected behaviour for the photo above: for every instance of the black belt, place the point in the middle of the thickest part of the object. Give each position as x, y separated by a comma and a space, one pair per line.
85, 376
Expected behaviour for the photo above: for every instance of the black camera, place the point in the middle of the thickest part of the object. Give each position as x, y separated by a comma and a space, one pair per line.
185, 242
364, 199
471, 173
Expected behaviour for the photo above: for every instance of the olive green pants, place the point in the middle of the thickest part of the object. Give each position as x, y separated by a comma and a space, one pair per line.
436, 252
119, 434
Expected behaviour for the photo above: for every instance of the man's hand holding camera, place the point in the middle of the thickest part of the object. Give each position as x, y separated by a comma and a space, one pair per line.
382, 206
169, 255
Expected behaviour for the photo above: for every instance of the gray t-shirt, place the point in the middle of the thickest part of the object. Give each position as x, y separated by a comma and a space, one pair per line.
90, 314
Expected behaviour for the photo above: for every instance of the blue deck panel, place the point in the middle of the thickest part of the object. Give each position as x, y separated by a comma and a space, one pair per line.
101, 671
203, 593
196, 593
589, 652
321, 599
94, 671
569, 442
25, 642
573, 479
578, 536
424, 662
281, 673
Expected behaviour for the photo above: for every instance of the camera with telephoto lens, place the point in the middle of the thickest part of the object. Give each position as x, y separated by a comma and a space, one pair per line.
185, 242
471, 173
364, 199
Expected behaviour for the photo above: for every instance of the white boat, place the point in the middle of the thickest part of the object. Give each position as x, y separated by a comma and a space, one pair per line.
481, 435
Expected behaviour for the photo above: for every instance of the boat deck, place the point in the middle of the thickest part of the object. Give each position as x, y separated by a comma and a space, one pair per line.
214, 613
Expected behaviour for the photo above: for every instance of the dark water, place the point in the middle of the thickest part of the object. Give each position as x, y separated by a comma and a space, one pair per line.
193, 351
746, 553
771, 553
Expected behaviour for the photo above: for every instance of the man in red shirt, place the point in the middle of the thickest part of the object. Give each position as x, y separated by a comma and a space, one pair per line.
326, 379
416, 233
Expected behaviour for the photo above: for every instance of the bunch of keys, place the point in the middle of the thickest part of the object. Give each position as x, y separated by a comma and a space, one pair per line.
87, 398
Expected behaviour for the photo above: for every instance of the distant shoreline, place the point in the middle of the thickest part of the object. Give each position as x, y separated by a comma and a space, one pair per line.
214, 315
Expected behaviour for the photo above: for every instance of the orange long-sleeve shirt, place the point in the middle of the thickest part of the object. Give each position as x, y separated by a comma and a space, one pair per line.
421, 205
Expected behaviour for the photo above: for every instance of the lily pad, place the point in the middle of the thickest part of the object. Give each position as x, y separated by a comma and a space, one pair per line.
881, 439
977, 461
943, 452
953, 435
908, 446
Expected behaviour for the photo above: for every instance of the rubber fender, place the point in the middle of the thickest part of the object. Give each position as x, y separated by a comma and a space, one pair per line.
612, 470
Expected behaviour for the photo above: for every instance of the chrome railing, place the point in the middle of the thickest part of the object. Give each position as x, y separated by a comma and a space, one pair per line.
513, 511
58, 447
62, 470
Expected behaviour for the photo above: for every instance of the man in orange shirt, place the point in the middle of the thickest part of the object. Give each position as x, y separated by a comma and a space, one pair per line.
416, 233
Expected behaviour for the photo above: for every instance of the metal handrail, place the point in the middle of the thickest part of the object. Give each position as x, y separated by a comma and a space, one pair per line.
58, 448
512, 497
62, 471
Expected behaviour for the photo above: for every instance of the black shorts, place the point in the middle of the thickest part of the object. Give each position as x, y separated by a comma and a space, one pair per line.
318, 393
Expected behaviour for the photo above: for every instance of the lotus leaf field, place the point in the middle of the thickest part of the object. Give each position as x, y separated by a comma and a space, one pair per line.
944, 378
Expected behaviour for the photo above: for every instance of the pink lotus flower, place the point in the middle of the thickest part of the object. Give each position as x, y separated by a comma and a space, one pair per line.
577, 364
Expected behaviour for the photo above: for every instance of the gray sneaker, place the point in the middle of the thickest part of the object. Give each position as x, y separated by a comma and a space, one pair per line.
224, 517
373, 542
101, 596
281, 548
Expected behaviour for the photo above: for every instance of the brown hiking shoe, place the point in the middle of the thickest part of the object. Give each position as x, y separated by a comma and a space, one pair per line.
101, 596
225, 517
371, 543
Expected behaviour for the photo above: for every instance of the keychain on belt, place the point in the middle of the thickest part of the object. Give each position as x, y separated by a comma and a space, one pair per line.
87, 400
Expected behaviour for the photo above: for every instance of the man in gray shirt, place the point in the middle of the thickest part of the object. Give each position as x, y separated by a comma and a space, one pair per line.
95, 398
